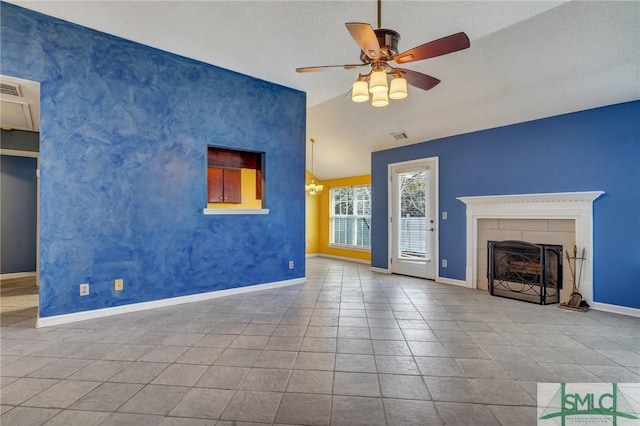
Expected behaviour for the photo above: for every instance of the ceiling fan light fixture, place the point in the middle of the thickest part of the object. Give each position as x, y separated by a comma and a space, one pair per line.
379, 47
380, 99
398, 89
378, 82
360, 91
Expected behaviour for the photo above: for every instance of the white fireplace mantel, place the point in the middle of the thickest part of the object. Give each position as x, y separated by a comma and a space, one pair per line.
558, 205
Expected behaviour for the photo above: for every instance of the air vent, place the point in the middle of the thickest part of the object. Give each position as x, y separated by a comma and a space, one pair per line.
10, 89
400, 136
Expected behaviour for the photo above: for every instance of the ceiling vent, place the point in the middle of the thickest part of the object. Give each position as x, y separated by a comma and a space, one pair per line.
400, 136
10, 89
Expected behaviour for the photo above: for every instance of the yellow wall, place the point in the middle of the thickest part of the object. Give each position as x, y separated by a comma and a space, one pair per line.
324, 218
249, 200
312, 225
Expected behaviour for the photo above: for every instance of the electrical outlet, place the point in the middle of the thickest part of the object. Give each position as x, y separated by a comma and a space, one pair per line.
84, 289
291, 264
444, 263
118, 284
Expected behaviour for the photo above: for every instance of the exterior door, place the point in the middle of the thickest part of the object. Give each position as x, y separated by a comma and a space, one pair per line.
413, 219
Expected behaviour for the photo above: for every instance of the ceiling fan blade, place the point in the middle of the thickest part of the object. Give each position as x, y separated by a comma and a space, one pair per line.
439, 47
366, 38
329, 67
418, 79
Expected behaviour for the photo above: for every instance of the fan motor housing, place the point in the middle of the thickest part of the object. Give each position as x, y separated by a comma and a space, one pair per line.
388, 40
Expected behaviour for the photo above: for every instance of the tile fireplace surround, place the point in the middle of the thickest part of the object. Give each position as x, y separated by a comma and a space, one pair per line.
577, 206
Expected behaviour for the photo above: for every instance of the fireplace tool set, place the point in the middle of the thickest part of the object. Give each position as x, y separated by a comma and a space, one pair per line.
576, 302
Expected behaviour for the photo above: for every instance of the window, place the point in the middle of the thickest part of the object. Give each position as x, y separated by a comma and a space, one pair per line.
350, 216
414, 216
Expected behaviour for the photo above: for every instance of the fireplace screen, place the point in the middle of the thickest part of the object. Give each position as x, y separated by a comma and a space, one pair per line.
525, 271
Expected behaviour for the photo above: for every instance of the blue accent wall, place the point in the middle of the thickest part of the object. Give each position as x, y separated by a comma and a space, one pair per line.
125, 130
18, 189
592, 150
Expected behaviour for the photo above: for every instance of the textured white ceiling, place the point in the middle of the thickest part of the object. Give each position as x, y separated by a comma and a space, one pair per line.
20, 112
527, 60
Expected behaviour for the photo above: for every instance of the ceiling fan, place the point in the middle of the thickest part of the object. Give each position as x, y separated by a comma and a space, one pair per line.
379, 48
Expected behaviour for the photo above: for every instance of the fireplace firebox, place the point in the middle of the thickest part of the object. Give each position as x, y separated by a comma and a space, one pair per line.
525, 271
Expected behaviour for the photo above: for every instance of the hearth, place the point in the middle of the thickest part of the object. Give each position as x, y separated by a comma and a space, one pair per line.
525, 271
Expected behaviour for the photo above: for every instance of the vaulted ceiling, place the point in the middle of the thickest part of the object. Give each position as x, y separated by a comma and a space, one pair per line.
527, 60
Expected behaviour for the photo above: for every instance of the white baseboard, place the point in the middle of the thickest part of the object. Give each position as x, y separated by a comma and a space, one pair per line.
309, 255
381, 270
143, 306
452, 281
348, 259
15, 275
616, 309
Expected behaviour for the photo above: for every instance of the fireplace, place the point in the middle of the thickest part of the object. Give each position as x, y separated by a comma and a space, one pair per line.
576, 206
525, 271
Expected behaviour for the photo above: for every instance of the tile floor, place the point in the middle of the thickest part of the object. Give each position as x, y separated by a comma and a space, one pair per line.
349, 347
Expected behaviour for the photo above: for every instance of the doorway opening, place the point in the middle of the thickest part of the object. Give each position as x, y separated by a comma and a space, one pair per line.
413, 218
20, 147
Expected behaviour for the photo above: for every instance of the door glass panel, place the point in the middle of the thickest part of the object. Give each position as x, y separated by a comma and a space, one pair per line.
412, 237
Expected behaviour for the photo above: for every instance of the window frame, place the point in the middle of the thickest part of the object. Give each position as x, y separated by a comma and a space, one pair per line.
358, 204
